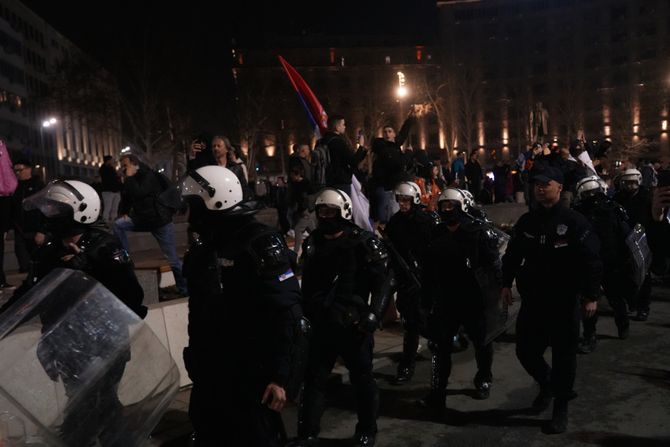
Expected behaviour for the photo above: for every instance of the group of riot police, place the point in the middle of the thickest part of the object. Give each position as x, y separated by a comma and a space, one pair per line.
257, 337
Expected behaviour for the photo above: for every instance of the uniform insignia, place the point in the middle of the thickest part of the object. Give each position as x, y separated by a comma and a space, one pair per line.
223, 262
286, 275
561, 230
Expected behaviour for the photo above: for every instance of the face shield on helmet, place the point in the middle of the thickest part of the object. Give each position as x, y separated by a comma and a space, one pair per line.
408, 189
333, 210
69, 199
630, 180
590, 186
217, 187
451, 205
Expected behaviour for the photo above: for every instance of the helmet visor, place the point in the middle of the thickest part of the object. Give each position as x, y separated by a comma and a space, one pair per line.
57, 199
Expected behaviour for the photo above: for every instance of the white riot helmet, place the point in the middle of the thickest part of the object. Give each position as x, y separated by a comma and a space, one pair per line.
456, 195
408, 189
469, 199
631, 175
589, 186
630, 180
334, 198
218, 187
61, 198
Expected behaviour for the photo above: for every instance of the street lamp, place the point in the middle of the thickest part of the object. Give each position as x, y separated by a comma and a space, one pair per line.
49, 122
401, 92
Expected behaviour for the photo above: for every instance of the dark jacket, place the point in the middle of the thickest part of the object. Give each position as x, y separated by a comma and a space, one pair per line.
139, 200
26, 221
339, 275
343, 159
102, 257
554, 254
110, 179
244, 303
410, 234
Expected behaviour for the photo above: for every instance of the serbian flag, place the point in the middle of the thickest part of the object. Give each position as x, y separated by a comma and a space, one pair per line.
315, 112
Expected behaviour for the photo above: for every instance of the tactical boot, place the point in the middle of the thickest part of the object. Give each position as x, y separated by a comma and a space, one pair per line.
587, 345
438, 387
559, 419
364, 439
482, 390
404, 374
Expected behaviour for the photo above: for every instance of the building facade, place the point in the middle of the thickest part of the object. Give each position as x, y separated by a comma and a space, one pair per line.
59, 138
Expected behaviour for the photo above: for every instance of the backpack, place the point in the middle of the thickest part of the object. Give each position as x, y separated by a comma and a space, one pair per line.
320, 163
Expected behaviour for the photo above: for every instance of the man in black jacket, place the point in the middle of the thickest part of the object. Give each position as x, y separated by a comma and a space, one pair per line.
343, 158
343, 266
26, 223
610, 222
389, 167
244, 306
554, 256
142, 211
408, 233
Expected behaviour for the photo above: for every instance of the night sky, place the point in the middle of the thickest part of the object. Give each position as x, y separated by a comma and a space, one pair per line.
189, 46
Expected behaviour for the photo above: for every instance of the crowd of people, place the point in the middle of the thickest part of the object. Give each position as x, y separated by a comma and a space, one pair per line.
422, 239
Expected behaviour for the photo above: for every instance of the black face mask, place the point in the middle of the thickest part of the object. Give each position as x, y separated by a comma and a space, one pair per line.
331, 226
451, 217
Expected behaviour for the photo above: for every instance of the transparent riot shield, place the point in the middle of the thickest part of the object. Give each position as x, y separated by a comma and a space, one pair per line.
499, 317
79, 367
640, 254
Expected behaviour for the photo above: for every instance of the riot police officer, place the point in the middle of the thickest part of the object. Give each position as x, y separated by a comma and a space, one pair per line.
610, 222
408, 231
460, 251
244, 306
343, 266
554, 256
79, 241
637, 203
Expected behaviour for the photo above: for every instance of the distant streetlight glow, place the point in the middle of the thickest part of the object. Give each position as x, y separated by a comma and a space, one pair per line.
125, 149
401, 92
49, 122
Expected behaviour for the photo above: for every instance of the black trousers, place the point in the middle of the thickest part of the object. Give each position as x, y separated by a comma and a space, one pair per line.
473, 320
24, 246
618, 291
408, 306
229, 412
539, 326
329, 341
3, 278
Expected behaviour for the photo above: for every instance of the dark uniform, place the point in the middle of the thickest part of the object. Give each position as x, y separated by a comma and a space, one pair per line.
339, 275
103, 258
244, 306
638, 208
610, 223
554, 256
409, 235
455, 295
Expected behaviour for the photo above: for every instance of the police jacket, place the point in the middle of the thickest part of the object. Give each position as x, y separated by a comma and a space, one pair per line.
409, 234
343, 272
610, 222
455, 263
102, 257
554, 256
244, 304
